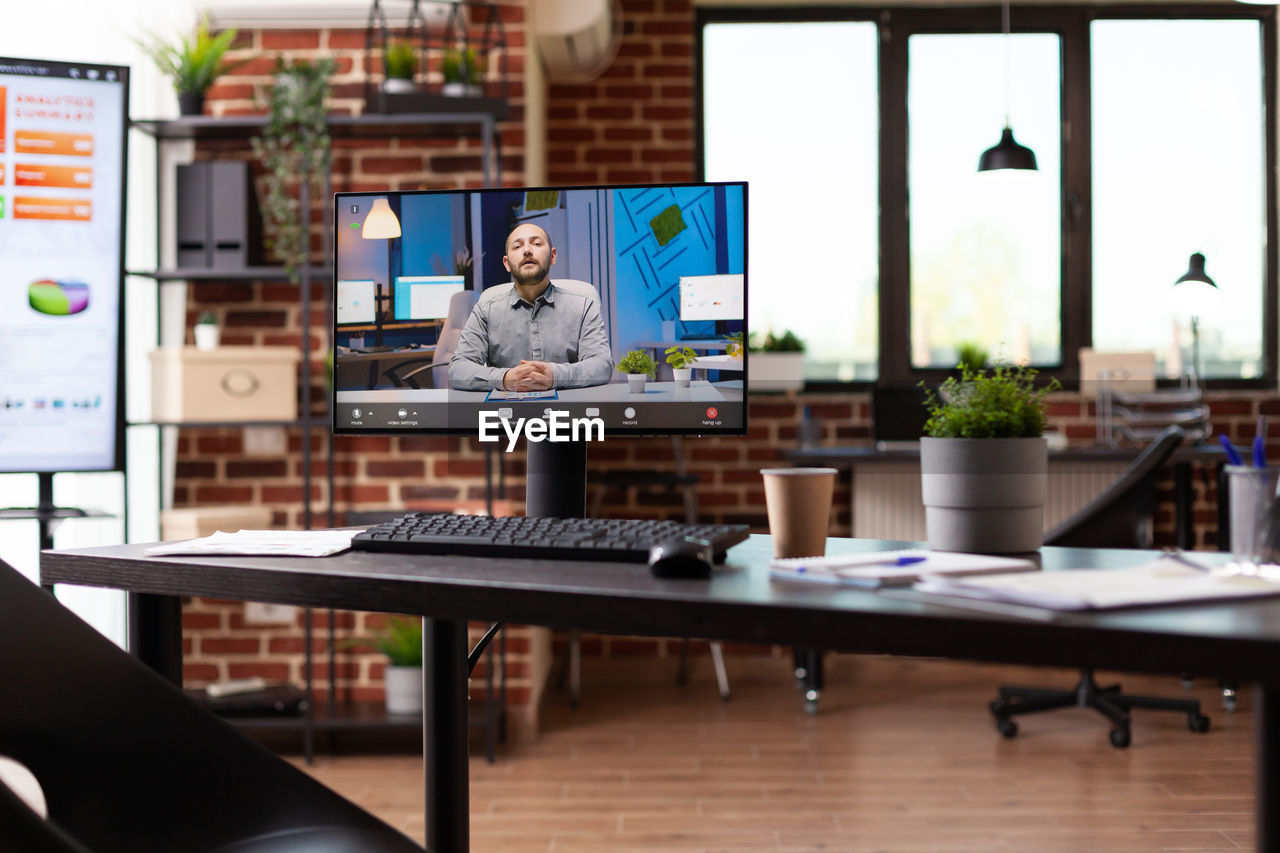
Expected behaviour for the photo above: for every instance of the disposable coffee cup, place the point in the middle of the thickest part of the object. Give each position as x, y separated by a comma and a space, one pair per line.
799, 504
1250, 494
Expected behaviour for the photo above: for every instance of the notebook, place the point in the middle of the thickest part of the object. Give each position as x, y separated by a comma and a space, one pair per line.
875, 569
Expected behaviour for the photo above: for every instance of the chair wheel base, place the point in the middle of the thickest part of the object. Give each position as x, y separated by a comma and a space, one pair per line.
1007, 728
1120, 737
1198, 723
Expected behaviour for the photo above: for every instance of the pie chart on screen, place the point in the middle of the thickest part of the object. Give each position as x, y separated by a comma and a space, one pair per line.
58, 298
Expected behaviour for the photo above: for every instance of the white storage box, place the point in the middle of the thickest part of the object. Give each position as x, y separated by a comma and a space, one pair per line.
193, 522
224, 384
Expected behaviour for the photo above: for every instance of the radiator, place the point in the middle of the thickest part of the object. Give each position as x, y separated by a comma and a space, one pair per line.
887, 505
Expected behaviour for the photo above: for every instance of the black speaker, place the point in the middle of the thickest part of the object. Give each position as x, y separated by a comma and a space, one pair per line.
219, 224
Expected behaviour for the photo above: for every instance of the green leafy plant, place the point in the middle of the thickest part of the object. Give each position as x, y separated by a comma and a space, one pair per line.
786, 342
971, 355
636, 361
207, 318
192, 64
400, 60
400, 639
680, 357
462, 65
1001, 403
294, 145
733, 344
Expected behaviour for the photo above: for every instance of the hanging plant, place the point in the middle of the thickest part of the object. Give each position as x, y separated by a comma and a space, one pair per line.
294, 144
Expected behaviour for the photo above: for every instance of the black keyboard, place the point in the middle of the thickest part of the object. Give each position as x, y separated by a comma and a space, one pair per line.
619, 540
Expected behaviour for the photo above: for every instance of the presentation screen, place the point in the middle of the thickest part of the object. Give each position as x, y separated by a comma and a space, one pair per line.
426, 297
62, 166
356, 303
624, 306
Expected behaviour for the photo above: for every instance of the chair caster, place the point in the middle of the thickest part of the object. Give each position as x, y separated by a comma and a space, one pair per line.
1198, 723
1228, 700
811, 698
1007, 727
998, 707
1120, 738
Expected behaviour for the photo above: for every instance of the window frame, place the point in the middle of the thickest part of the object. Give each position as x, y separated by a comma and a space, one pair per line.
1072, 25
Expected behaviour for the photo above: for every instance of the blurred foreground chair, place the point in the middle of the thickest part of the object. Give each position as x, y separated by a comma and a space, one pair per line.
1120, 517
127, 762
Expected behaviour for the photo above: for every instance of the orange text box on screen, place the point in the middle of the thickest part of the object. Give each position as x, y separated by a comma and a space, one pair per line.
38, 175
50, 142
72, 210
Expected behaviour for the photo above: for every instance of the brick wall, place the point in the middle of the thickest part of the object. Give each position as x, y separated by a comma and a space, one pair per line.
634, 124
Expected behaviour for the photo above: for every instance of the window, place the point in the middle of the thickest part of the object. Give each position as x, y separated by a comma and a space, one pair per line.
1150, 127
769, 117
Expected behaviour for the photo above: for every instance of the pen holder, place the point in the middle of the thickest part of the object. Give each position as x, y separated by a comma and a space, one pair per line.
1255, 513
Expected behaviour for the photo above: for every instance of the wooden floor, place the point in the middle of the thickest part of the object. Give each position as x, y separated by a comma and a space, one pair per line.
901, 756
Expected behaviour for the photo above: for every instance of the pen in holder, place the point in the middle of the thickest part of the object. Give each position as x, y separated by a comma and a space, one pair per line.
1255, 513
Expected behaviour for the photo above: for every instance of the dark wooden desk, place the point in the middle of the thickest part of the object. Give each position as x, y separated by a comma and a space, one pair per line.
848, 457
1241, 641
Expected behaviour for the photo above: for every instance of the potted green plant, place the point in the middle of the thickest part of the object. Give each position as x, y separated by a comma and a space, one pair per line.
681, 360
399, 61
192, 64
777, 362
733, 345
639, 367
400, 639
206, 331
984, 461
972, 355
463, 69
294, 145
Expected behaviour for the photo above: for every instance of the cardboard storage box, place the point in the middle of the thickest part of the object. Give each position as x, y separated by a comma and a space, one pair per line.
193, 522
224, 384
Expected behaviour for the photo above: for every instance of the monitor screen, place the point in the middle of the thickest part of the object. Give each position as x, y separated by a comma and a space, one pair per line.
62, 167
711, 297
356, 302
547, 295
425, 297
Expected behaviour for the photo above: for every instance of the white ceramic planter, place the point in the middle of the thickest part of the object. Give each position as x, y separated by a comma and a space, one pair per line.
462, 90
207, 336
682, 376
635, 382
398, 86
404, 689
984, 495
775, 371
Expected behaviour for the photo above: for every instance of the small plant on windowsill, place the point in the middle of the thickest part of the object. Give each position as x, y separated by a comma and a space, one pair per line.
777, 362
207, 333
639, 367
681, 360
971, 355
400, 639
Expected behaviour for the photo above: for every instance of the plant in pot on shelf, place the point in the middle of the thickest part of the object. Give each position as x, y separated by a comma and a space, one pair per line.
294, 145
192, 64
400, 61
639, 367
777, 362
681, 360
400, 639
733, 345
463, 71
984, 461
207, 334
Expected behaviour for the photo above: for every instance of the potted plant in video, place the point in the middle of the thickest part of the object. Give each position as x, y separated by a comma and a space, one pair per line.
207, 334
984, 461
400, 639
639, 367
777, 362
192, 64
294, 145
400, 60
681, 360
463, 69
733, 345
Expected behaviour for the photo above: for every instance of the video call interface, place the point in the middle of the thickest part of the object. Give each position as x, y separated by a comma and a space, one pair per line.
429, 331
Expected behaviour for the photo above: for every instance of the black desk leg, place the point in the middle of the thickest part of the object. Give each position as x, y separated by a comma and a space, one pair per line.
155, 632
1182, 501
444, 735
1267, 728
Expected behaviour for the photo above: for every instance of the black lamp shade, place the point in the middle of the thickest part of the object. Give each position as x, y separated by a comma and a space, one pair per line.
1007, 154
1195, 271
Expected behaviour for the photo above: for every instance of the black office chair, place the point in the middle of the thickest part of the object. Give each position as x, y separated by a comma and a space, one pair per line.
1120, 517
127, 762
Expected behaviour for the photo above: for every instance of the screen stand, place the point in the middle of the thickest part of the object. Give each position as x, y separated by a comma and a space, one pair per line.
556, 485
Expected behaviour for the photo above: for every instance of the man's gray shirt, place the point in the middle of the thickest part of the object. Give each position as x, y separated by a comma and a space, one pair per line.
562, 328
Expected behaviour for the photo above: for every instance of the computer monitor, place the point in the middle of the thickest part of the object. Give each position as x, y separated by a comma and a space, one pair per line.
711, 297
620, 253
355, 302
425, 297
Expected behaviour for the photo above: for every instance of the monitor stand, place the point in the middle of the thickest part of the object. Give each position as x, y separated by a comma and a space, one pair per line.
556, 482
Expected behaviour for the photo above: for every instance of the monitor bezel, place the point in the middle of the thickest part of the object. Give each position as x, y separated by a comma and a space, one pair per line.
339, 198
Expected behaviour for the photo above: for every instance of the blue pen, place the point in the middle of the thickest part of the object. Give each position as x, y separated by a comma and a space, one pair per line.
1233, 456
1260, 443
862, 562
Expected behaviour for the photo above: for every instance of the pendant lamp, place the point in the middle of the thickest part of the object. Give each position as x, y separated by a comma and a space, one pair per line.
381, 223
1007, 153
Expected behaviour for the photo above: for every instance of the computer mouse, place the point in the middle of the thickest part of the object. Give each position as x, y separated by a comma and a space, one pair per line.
686, 557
